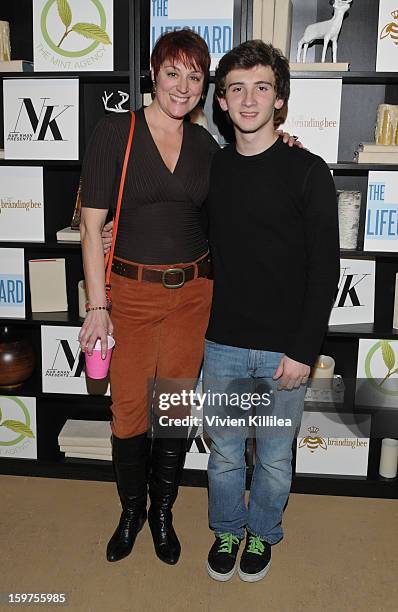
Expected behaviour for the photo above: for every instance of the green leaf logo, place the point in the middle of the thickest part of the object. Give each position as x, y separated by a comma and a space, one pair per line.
58, 20
64, 12
388, 354
18, 427
88, 30
92, 31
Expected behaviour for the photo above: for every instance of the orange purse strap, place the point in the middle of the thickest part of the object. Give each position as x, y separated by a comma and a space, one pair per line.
109, 256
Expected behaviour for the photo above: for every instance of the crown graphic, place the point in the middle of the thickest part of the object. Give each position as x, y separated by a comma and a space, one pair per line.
313, 429
395, 14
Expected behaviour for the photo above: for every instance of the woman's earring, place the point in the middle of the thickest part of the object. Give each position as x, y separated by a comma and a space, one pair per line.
153, 87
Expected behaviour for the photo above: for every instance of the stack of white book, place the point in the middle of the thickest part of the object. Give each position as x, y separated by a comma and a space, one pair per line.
67, 234
272, 23
372, 153
86, 439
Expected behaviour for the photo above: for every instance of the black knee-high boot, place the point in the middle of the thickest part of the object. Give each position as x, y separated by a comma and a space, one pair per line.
130, 460
168, 457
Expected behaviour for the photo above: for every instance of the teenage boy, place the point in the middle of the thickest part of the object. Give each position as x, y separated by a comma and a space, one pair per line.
275, 249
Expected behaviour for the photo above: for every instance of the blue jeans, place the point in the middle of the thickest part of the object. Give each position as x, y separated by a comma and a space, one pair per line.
230, 372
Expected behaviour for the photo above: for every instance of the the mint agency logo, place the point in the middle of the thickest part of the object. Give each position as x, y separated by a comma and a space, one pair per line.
13, 431
382, 356
64, 28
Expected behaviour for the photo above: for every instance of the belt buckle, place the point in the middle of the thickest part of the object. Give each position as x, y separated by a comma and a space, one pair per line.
173, 271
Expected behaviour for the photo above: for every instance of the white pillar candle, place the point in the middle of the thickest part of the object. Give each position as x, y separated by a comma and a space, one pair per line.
323, 371
395, 319
324, 367
83, 299
388, 458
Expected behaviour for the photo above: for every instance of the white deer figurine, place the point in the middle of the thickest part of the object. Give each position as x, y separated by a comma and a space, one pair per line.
328, 30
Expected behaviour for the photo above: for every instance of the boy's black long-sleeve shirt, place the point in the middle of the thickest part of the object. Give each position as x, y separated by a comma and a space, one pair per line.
273, 232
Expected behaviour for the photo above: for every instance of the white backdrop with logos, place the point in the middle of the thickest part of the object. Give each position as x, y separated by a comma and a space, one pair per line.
381, 228
12, 283
211, 20
331, 443
387, 37
41, 118
63, 367
377, 373
72, 35
21, 204
356, 292
314, 115
18, 432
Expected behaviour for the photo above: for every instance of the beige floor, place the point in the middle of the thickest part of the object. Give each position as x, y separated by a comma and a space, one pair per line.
338, 554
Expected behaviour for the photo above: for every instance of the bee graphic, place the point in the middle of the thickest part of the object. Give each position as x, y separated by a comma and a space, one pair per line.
312, 442
391, 29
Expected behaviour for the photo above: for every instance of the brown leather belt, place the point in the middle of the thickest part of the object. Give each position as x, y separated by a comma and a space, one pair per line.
171, 278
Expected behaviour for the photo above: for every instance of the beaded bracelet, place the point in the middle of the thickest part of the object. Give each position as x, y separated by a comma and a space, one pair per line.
90, 308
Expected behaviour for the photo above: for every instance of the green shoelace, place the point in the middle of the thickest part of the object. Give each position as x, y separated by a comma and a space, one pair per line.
255, 545
227, 540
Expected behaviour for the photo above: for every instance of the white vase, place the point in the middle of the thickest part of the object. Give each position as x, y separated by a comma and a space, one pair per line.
388, 458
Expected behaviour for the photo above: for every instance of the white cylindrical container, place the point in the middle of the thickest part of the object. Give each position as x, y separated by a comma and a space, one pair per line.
349, 204
83, 299
5, 47
389, 458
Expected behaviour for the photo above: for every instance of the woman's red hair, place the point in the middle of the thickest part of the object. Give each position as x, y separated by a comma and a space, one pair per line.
183, 46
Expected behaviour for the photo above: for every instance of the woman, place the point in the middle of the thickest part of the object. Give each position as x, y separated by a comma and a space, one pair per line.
158, 326
161, 289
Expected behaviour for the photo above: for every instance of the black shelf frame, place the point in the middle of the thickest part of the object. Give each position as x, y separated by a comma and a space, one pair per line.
137, 79
55, 163
96, 470
48, 245
72, 319
114, 76
340, 166
348, 77
355, 167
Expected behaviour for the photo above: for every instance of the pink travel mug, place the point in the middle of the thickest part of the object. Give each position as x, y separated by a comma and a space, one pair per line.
96, 367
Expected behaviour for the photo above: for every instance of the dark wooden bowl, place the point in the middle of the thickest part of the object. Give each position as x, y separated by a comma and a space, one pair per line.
17, 358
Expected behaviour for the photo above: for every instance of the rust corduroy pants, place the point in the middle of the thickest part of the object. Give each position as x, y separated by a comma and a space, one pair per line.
159, 333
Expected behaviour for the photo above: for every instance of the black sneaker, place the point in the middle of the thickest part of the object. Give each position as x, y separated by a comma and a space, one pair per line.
221, 562
255, 560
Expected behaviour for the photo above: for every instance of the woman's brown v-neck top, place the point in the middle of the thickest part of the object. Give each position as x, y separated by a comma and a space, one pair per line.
160, 218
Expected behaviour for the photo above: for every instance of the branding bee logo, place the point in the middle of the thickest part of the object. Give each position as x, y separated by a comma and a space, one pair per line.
391, 29
312, 442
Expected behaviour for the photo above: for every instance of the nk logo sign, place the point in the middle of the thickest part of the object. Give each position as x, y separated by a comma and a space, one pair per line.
66, 362
63, 363
43, 122
354, 301
41, 118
